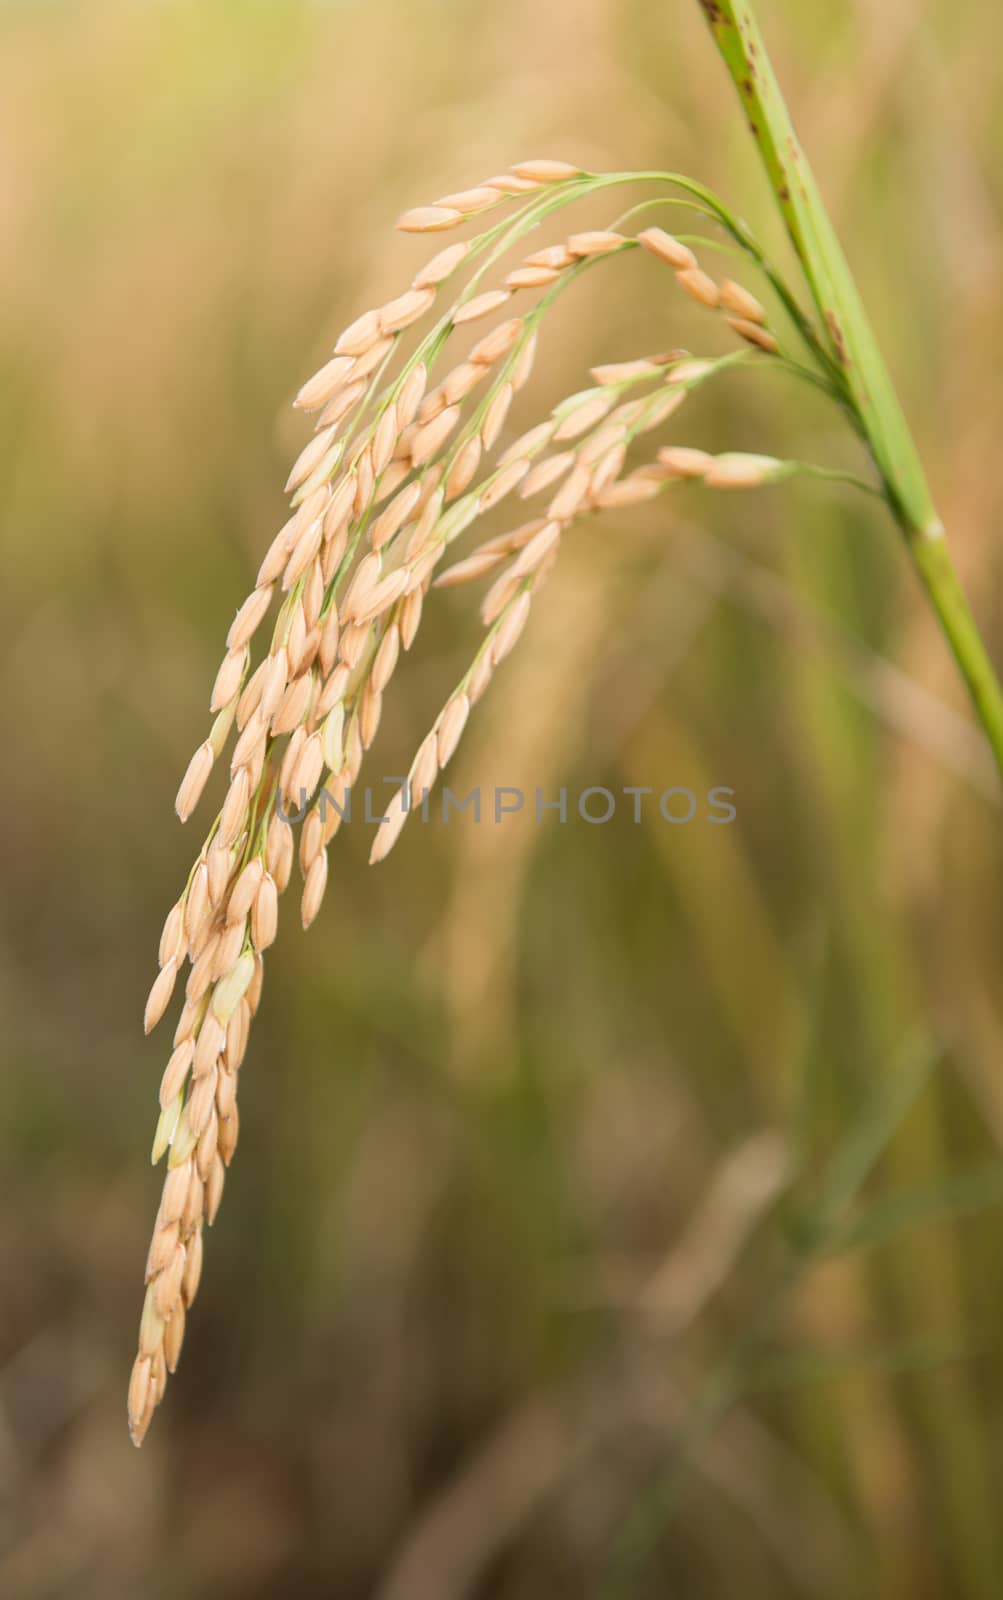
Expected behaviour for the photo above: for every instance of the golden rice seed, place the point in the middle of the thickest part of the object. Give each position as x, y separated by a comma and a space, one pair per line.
412, 391
205, 1150
364, 580
306, 774
456, 385
424, 768
390, 521
480, 677
167, 1285
736, 299
464, 468
229, 1132
503, 483
429, 219
176, 1072
433, 435
406, 308
282, 869
737, 470
545, 473
498, 343
583, 418
546, 171
200, 976
228, 949
508, 183
423, 529
531, 277
594, 243
699, 285
339, 506
523, 364
469, 570
139, 1388
313, 892
570, 495
310, 840
294, 705
174, 1335
310, 456
354, 639
172, 936
353, 752
365, 481
151, 1326
197, 903
333, 551
165, 1240
384, 439
410, 617
254, 734
265, 914
628, 492
274, 679
528, 444
391, 479
175, 1192
433, 405
533, 553
275, 559
188, 1021
301, 658
421, 567
386, 592
431, 479
370, 712
193, 1268
690, 372
324, 383
333, 690
194, 781
663, 245
214, 1190
514, 539
160, 994
389, 828
494, 416
228, 678
158, 1377
608, 467
440, 267
601, 441
211, 1040
238, 1030
183, 1143
305, 552
660, 409
330, 634
510, 629
374, 357
250, 699
191, 1216
554, 256
360, 335
201, 1101
249, 617
450, 727
481, 305
471, 200
219, 733
343, 403
244, 890
219, 865
382, 671
234, 812
752, 333
684, 462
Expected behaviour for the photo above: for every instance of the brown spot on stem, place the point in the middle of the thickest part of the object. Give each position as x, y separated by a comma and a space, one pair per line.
785, 194
748, 87
715, 16
836, 334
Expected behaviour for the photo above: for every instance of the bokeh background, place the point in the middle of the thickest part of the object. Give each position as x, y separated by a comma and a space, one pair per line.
616, 1207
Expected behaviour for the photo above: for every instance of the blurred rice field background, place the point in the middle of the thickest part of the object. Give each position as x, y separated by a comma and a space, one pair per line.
616, 1208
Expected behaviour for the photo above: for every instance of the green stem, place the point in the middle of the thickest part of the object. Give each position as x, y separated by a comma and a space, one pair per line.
854, 349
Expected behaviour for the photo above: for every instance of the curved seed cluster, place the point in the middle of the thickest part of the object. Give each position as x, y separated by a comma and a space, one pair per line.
383, 488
